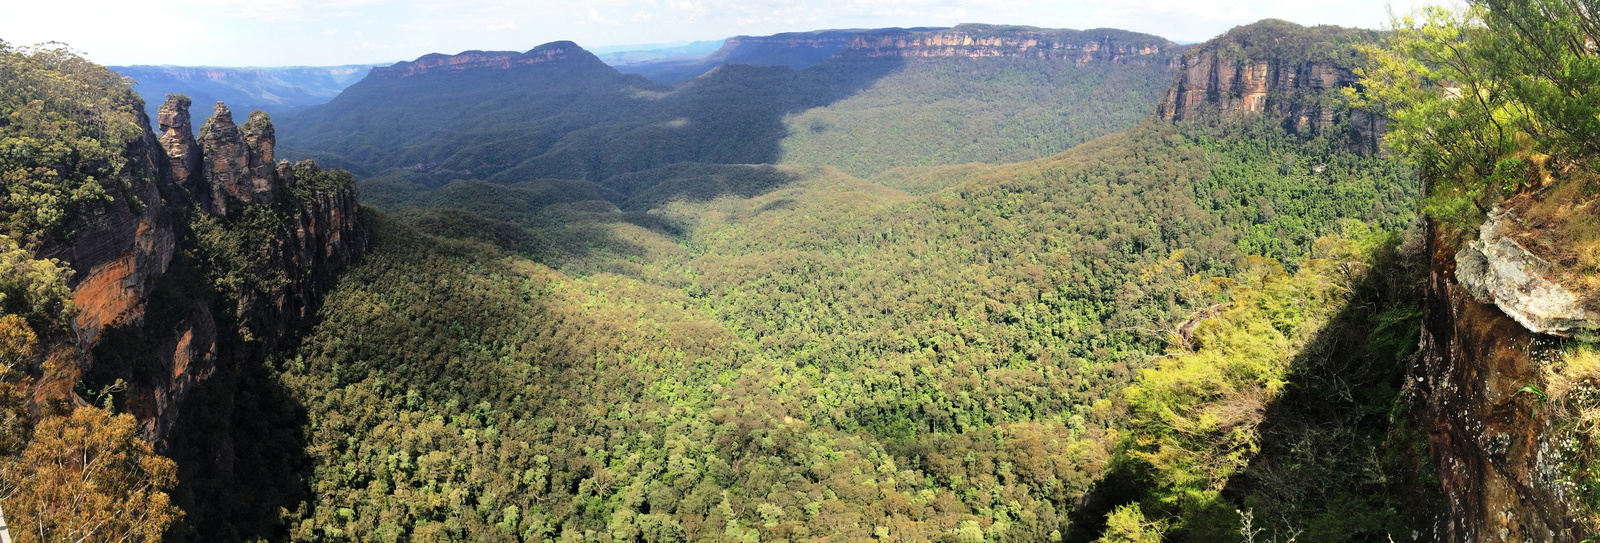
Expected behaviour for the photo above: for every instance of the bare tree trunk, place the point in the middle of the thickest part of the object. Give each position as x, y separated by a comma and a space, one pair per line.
5, 532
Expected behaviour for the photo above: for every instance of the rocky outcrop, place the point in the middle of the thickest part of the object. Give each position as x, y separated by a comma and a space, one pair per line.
982, 41
469, 60
118, 250
183, 152
1497, 270
1475, 387
1277, 68
237, 167
123, 251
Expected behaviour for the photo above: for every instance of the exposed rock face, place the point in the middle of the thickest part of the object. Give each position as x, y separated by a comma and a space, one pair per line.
323, 233
238, 164
120, 248
122, 251
1496, 449
1260, 69
1495, 269
183, 152
978, 41
468, 60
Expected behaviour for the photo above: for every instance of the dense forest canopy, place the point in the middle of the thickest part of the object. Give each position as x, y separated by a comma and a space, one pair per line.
740, 352
902, 300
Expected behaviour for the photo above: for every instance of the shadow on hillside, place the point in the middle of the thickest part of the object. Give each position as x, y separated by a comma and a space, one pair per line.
238, 440
559, 220
1339, 458
519, 126
733, 115
240, 447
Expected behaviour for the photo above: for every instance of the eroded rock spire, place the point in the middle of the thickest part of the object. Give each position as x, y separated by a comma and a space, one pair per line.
237, 162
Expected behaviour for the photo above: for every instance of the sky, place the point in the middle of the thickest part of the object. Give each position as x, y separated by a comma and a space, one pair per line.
332, 32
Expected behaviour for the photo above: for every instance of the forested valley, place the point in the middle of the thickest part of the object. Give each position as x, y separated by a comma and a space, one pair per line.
1138, 292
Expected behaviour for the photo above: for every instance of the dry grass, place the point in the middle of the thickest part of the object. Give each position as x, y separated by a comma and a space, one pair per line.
1561, 224
1578, 367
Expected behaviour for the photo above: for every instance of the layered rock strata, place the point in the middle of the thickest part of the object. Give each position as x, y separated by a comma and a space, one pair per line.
973, 41
1497, 270
1237, 73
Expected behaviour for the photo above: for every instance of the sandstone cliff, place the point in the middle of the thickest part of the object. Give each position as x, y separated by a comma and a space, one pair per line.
157, 306
1509, 409
118, 252
981, 41
1277, 68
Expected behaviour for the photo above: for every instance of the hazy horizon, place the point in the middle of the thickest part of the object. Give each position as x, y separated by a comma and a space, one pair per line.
279, 33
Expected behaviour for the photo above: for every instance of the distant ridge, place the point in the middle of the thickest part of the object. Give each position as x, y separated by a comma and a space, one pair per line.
801, 50
466, 60
271, 89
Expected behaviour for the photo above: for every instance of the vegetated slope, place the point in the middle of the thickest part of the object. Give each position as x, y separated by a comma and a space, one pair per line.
818, 356
828, 357
949, 111
273, 90
141, 280
570, 116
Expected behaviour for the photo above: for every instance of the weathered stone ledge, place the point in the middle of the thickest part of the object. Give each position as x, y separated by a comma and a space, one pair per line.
1495, 269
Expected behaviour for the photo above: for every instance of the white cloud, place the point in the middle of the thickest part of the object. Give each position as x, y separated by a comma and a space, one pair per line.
508, 25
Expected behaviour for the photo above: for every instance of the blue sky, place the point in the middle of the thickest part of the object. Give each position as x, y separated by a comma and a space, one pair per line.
327, 32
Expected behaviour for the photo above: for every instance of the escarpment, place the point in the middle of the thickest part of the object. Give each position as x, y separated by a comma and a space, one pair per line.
1279, 69
982, 41
118, 251
213, 260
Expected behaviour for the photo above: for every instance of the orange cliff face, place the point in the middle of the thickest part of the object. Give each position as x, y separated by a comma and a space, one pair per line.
1245, 71
119, 250
1247, 85
121, 255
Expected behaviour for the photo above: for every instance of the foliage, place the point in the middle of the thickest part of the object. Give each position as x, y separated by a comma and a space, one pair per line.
1488, 99
953, 111
579, 119
822, 354
64, 125
1280, 191
88, 476
33, 289
624, 333
1266, 408
18, 346
1573, 380
1127, 525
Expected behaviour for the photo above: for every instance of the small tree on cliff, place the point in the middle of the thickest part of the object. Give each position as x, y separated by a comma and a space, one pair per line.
88, 476
1485, 100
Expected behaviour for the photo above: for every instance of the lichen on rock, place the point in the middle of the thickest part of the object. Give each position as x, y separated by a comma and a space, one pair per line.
1495, 269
